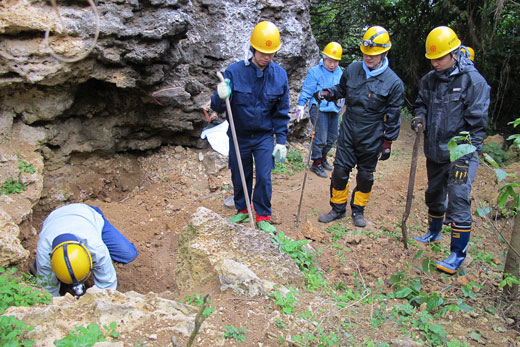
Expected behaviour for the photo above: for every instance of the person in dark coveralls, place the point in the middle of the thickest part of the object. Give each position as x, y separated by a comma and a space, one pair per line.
326, 74
453, 97
373, 97
258, 91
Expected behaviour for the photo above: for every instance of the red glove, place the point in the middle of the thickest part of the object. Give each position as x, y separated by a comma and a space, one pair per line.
386, 149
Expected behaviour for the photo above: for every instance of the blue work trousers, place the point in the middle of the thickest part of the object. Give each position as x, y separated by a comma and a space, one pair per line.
121, 250
257, 150
442, 197
326, 132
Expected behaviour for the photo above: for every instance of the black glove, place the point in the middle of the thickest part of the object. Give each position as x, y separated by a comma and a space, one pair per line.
322, 94
458, 172
386, 149
416, 121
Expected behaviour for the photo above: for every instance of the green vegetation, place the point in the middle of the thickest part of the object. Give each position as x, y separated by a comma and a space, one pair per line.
15, 291
234, 333
293, 163
86, 337
14, 185
12, 332
198, 300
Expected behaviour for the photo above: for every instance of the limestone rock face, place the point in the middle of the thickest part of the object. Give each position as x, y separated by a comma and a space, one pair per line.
11, 250
213, 251
144, 83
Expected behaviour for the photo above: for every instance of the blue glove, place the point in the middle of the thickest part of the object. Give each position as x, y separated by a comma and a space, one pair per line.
280, 152
223, 89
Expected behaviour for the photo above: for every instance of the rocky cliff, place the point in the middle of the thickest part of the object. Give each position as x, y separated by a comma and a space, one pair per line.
150, 71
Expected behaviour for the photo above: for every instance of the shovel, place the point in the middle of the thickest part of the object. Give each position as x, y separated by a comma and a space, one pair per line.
411, 182
307, 166
239, 159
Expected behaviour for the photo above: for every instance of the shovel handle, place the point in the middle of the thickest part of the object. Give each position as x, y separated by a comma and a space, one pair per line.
237, 152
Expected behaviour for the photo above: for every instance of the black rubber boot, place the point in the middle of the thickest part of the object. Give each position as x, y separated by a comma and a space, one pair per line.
332, 215
359, 220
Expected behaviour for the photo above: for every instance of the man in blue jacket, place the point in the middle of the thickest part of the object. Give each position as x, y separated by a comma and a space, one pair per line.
324, 75
258, 91
453, 97
373, 97
76, 241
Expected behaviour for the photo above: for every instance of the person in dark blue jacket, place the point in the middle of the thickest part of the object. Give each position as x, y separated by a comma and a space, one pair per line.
373, 97
258, 91
324, 75
452, 98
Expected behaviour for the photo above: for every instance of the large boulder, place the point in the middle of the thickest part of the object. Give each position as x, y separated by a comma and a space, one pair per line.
215, 252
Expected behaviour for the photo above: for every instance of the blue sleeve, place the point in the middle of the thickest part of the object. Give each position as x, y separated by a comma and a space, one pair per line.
308, 88
281, 114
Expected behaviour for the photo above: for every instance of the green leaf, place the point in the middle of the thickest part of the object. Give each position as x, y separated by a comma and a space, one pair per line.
403, 292
428, 265
501, 175
491, 161
483, 211
418, 254
461, 150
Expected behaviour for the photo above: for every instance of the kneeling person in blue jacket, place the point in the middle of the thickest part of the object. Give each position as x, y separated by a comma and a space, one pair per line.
76, 241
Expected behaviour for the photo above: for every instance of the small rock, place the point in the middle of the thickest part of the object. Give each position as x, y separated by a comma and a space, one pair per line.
152, 337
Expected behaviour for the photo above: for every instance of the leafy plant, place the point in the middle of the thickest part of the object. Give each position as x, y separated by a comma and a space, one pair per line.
15, 292
85, 337
292, 164
14, 185
198, 300
286, 302
12, 331
496, 152
234, 333
337, 231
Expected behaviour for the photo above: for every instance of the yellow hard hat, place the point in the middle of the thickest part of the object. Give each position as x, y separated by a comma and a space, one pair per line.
375, 41
469, 52
266, 38
441, 41
71, 261
333, 50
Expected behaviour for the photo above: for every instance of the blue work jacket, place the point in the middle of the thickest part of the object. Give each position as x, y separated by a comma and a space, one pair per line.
317, 79
259, 100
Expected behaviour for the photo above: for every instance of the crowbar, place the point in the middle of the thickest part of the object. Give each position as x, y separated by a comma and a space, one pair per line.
411, 182
307, 165
239, 159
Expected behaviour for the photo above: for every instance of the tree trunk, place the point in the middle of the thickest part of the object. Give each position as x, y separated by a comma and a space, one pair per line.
512, 265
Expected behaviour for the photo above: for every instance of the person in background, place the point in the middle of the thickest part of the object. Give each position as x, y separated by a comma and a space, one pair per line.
258, 92
373, 97
452, 98
470, 53
324, 75
76, 242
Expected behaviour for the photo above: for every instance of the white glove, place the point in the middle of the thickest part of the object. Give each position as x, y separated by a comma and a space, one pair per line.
299, 113
280, 152
223, 89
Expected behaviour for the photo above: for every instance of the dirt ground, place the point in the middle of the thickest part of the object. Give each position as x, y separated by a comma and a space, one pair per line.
172, 183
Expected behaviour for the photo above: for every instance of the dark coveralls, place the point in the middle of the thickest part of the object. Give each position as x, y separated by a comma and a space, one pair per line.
452, 101
260, 107
373, 110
